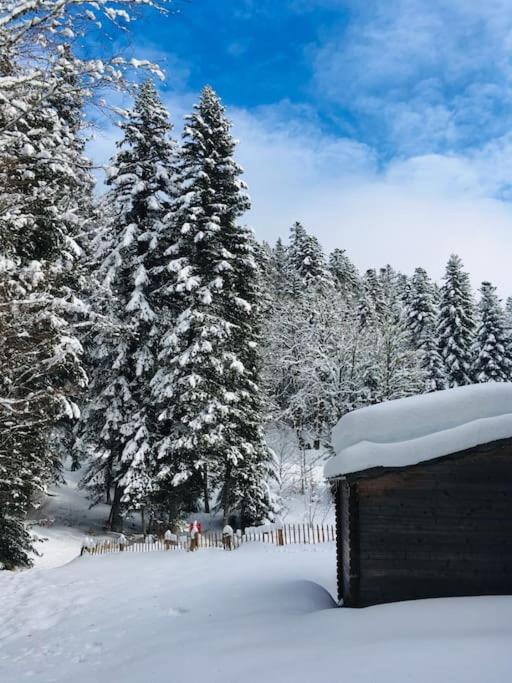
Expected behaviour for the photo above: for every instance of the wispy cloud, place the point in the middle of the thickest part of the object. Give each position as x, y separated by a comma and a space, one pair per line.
424, 75
408, 212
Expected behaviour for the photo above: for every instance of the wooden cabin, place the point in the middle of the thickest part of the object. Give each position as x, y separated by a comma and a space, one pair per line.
423, 494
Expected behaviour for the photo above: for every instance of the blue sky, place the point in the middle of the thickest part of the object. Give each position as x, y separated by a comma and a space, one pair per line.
383, 124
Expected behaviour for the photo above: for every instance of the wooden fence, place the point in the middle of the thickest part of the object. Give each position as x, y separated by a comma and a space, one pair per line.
285, 535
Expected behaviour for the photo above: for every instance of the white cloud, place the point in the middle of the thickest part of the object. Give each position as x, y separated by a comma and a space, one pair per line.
428, 73
411, 212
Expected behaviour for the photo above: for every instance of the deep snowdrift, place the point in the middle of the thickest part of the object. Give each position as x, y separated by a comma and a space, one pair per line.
411, 430
256, 614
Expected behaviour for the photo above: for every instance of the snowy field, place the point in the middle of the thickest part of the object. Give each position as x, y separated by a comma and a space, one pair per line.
256, 614
260, 613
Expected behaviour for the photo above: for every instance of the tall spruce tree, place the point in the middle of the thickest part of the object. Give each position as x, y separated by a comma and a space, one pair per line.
344, 273
206, 385
491, 351
307, 261
373, 289
404, 287
117, 426
280, 257
247, 482
455, 328
421, 321
421, 312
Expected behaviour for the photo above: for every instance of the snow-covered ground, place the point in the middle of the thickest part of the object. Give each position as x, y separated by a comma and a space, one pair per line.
255, 614
259, 613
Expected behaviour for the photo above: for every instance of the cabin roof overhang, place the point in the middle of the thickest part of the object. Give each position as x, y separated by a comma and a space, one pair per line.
374, 472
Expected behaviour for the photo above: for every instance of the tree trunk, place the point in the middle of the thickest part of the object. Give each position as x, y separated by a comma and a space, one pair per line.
116, 517
205, 490
303, 472
108, 484
226, 492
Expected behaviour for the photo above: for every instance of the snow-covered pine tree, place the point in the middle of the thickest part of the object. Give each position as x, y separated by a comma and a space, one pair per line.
373, 288
455, 328
390, 293
264, 258
307, 264
404, 288
421, 312
16, 543
279, 268
117, 424
247, 481
344, 273
274, 273
365, 309
421, 321
432, 364
295, 249
491, 351
43, 179
206, 385
370, 299
44, 192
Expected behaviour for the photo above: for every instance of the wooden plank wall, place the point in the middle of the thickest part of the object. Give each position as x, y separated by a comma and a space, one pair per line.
348, 547
338, 498
438, 529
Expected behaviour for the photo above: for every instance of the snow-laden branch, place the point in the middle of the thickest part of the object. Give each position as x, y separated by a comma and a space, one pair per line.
38, 39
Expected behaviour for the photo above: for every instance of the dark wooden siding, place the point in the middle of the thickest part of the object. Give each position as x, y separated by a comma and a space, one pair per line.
348, 543
443, 528
338, 498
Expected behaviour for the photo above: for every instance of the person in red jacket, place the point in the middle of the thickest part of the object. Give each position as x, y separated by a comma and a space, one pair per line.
194, 529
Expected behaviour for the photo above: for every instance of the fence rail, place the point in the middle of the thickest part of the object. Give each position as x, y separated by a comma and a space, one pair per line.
287, 534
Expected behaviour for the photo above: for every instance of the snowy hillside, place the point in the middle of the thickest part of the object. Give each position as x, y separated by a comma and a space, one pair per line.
256, 614
65, 518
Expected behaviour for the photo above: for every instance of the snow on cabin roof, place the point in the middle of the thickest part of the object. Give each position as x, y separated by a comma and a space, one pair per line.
407, 431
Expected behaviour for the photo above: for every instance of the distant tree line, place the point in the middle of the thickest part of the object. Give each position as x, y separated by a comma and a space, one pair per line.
337, 340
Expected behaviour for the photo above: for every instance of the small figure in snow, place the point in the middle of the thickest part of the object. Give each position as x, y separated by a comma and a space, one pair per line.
195, 534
